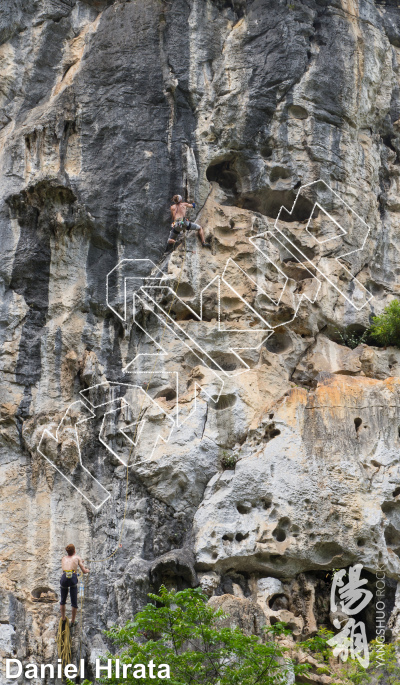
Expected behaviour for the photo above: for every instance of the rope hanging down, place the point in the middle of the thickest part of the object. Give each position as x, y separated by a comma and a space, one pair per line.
118, 545
64, 642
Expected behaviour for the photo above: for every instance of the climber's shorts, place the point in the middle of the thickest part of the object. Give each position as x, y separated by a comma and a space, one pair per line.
70, 584
179, 226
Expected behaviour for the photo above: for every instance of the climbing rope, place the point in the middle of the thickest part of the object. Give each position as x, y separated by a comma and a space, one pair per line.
64, 642
82, 597
118, 545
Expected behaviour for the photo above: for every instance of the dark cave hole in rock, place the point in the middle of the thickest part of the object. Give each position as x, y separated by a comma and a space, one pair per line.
266, 151
271, 432
267, 503
229, 171
223, 360
183, 315
396, 492
233, 577
270, 416
42, 593
280, 532
387, 140
224, 174
228, 537
279, 343
243, 508
375, 288
278, 602
239, 537
224, 402
357, 424
361, 542
167, 394
185, 290
268, 201
278, 173
297, 112
279, 535
392, 538
236, 6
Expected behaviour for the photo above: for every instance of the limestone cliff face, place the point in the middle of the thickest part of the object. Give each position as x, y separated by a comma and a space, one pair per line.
106, 109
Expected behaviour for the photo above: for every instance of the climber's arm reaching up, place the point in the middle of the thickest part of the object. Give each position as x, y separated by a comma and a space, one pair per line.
82, 566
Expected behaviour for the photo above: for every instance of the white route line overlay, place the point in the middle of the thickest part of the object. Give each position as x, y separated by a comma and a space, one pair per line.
143, 296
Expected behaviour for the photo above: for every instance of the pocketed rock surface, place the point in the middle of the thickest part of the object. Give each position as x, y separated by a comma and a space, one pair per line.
260, 488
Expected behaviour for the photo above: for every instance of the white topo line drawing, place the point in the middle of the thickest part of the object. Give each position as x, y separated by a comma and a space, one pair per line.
120, 424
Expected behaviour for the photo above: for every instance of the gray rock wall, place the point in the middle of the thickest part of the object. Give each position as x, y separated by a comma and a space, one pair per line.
106, 110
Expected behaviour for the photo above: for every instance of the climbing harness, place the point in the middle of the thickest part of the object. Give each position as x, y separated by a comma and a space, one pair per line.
69, 574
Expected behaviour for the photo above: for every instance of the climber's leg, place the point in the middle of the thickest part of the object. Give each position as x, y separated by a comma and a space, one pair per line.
200, 233
172, 236
63, 596
74, 600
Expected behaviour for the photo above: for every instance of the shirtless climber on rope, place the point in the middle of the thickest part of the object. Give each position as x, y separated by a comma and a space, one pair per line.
179, 221
69, 579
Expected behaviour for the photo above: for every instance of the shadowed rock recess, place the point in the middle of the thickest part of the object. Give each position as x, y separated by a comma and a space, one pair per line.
107, 108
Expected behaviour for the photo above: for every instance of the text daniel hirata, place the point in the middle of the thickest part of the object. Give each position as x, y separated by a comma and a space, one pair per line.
14, 669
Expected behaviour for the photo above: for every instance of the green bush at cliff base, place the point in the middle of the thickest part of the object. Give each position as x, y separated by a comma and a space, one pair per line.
383, 669
385, 328
184, 632
180, 629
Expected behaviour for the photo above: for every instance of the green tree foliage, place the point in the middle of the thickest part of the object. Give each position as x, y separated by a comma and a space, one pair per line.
383, 669
385, 328
182, 630
318, 645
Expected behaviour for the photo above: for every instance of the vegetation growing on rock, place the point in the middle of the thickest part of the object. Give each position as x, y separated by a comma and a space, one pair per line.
386, 327
182, 630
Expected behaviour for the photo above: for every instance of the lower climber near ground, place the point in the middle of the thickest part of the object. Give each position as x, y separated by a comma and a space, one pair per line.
69, 580
180, 222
